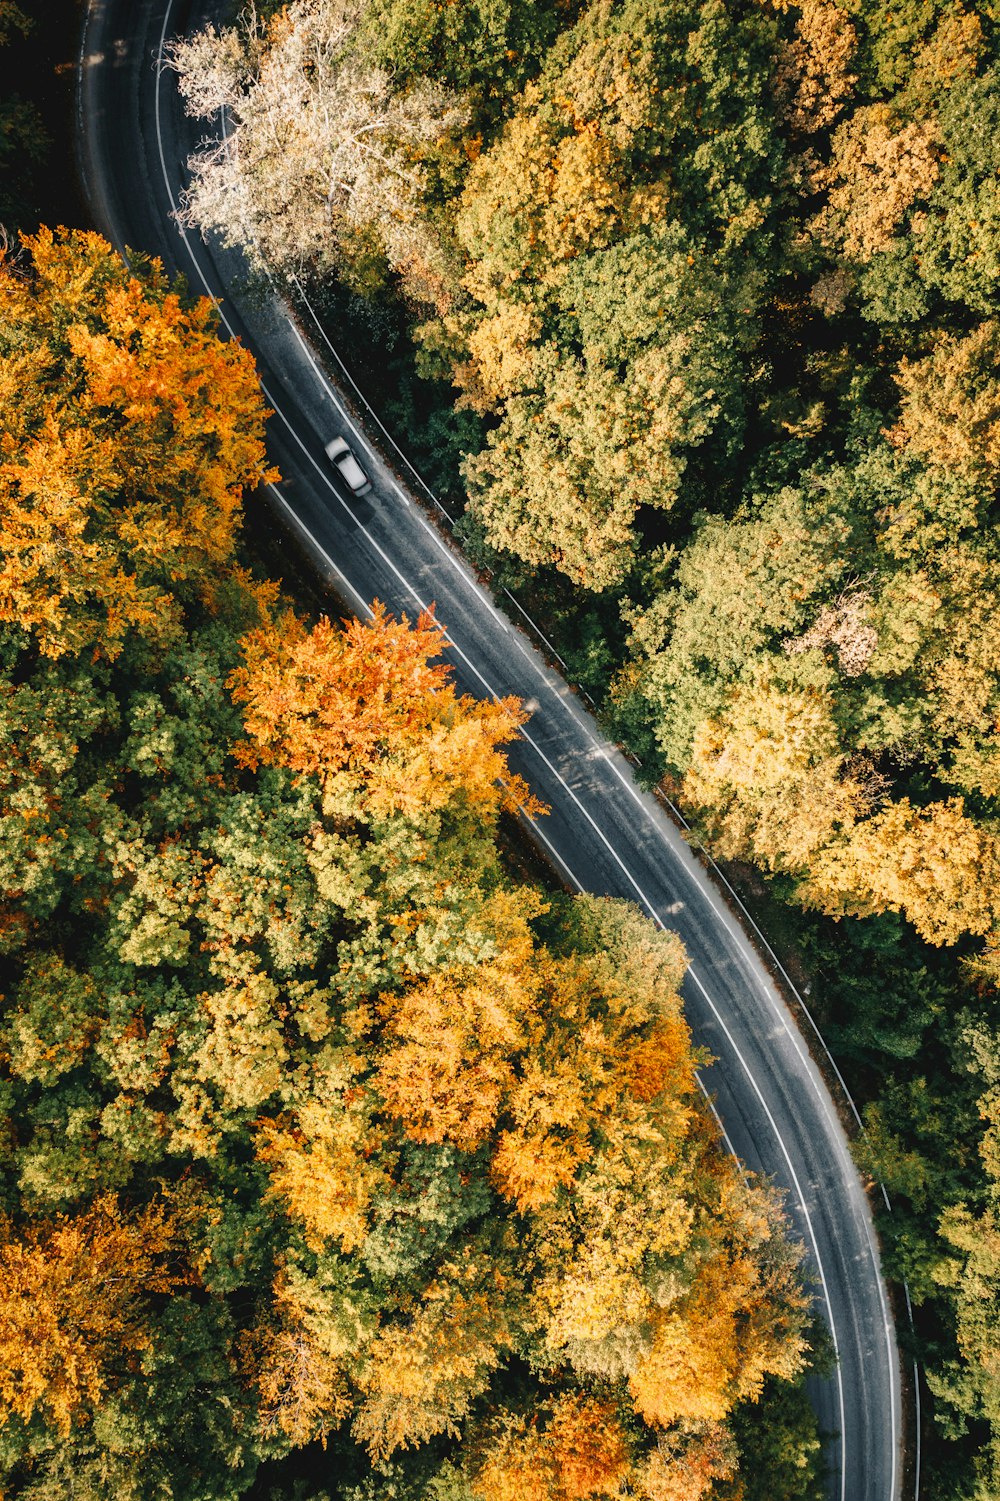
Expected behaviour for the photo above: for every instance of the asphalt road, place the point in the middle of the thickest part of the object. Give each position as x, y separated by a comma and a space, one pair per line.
603, 834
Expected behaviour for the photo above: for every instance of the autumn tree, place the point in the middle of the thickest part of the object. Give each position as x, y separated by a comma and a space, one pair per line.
368, 710
813, 75
73, 1307
397, 1133
129, 433
881, 168
294, 1360
419, 1377
571, 1449
949, 413
321, 150
686, 1466
317, 1122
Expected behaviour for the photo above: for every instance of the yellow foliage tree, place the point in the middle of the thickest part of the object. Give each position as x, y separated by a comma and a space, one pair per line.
130, 431
297, 1374
419, 1378
73, 1302
813, 79
686, 1463
950, 407
324, 1164
453, 1037
772, 777
713, 1348
880, 168
936, 865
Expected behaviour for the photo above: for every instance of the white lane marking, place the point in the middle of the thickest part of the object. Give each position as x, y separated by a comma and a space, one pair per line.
579, 720
537, 629
367, 405
805, 1208
558, 777
359, 599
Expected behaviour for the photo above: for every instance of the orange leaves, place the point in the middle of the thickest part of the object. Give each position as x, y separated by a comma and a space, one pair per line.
685, 1465
322, 699
71, 1306
448, 1066
130, 430
581, 1453
536, 1055
589, 1448
58, 577
529, 1167
662, 1061
539, 1056
449, 1046
739, 1320
687, 1373
301, 1388
368, 710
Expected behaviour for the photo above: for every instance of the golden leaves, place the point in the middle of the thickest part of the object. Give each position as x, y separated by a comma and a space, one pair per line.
72, 1294
367, 710
580, 1453
880, 167
419, 1378
323, 1162
131, 431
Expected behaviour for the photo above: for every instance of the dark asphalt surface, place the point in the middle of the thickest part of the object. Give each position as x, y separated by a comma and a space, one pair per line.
602, 833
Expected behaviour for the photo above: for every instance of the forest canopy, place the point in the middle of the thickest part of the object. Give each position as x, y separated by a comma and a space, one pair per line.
699, 307
645, 268
320, 1124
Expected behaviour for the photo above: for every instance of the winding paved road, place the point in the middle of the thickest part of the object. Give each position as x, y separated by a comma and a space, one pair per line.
603, 833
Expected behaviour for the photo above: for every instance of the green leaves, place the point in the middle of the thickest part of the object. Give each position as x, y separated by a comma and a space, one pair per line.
409, 1156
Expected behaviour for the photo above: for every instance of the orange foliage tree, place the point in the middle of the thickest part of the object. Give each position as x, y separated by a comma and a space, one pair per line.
685, 1465
369, 710
129, 432
72, 1295
572, 1449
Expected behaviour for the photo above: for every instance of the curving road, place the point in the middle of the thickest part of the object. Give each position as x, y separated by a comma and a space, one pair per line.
603, 834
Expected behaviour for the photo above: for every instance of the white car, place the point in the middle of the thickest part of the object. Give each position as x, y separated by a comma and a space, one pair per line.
339, 453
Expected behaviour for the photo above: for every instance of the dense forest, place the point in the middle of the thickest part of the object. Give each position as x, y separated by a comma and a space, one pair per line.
324, 1132
695, 311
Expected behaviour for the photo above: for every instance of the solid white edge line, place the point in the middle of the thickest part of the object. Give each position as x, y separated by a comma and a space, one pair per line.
359, 600
805, 1209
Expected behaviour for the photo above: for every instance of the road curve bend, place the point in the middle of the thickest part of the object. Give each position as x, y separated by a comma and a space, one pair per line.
603, 833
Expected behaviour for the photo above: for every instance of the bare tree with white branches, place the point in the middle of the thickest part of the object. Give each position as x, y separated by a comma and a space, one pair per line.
316, 148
